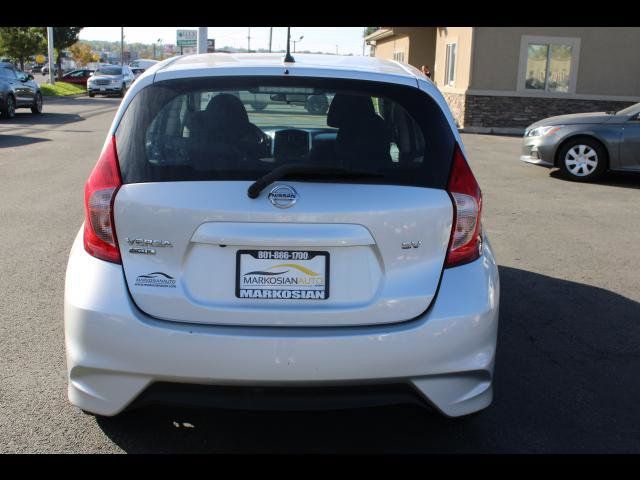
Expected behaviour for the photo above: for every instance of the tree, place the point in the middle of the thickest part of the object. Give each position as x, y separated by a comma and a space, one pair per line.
369, 30
19, 43
81, 53
63, 37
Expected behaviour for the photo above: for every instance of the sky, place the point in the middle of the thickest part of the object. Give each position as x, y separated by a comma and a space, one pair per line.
322, 39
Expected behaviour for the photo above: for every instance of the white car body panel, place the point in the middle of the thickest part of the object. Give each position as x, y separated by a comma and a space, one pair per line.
375, 283
114, 351
440, 339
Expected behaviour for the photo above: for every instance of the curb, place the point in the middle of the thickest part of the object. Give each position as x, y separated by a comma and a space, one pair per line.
493, 131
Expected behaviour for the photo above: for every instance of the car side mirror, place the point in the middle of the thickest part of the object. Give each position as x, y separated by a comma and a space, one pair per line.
29, 77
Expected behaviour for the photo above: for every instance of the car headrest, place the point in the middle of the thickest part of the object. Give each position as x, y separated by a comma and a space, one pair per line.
227, 110
346, 109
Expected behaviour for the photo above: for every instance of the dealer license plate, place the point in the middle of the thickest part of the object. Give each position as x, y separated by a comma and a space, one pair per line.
282, 274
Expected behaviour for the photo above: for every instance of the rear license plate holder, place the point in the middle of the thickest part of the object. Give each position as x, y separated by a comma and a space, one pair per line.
282, 274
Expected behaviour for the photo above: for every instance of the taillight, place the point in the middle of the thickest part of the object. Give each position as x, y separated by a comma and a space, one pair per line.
99, 194
465, 244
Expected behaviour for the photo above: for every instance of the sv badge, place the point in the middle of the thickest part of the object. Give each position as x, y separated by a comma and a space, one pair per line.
407, 245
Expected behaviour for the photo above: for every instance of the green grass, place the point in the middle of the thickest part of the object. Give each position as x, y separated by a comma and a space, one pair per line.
61, 89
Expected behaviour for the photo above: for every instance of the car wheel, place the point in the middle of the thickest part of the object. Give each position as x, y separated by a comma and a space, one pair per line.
122, 90
317, 104
37, 104
9, 110
91, 94
582, 159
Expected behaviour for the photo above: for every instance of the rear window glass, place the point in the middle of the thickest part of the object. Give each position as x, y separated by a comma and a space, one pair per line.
109, 71
242, 128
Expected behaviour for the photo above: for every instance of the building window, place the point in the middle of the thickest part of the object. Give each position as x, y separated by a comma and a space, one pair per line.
450, 64
548, 64
398, 56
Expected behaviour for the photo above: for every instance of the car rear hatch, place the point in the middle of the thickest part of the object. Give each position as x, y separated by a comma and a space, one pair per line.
330, 250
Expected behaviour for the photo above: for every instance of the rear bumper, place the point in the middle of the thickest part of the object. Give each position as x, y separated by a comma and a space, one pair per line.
115, 352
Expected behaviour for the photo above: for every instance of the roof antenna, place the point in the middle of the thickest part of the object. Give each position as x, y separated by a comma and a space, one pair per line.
288, 58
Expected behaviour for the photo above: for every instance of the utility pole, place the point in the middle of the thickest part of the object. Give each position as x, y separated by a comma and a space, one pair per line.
249, 40
336, 49
50, 47
202, 39
122, 46
270, 37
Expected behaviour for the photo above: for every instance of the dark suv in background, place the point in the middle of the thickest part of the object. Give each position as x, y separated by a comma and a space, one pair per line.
18, 90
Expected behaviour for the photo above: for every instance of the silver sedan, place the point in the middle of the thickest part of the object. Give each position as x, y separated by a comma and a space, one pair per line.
585, 145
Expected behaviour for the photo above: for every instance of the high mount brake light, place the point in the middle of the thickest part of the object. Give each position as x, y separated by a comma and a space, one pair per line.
100, 191
465, 244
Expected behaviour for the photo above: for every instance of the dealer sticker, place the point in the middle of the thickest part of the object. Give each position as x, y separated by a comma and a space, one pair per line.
282, 274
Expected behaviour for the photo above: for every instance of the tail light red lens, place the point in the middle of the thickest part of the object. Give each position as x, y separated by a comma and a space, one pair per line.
465, 244
99, 194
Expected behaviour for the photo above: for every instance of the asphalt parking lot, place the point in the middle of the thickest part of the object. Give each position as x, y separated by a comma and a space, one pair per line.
567, 363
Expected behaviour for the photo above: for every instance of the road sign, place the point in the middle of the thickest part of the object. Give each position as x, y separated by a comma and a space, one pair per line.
40, 59
186, 38
211, 45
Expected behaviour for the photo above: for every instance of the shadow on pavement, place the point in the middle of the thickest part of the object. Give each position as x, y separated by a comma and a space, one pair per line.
566, 381
46, 118
84, 100
7, 141
612, 179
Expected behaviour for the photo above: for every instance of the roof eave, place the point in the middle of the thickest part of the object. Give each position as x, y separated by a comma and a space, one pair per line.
379, 34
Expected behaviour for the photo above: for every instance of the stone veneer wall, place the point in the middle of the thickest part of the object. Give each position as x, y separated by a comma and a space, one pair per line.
519, 112
456, 103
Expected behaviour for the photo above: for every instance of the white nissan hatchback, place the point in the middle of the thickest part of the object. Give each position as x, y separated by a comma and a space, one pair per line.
277, 258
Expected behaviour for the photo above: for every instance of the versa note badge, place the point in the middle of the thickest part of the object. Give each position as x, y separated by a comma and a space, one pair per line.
142, 245
283, 196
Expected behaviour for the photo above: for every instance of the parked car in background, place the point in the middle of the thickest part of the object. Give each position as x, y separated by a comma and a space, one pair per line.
36, 69
45, 69
110, 80
78, 77
585, 145
137, 72
18, 90
143, 63
317, 104
247, 259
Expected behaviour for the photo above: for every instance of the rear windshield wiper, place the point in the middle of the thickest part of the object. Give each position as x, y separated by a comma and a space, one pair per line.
304, 170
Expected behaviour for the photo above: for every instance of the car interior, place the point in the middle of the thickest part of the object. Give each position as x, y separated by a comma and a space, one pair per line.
215, 131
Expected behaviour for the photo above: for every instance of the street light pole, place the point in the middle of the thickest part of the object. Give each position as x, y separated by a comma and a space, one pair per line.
270, 37
249, 41
364, 41
122, 46
296, 41
50, 47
